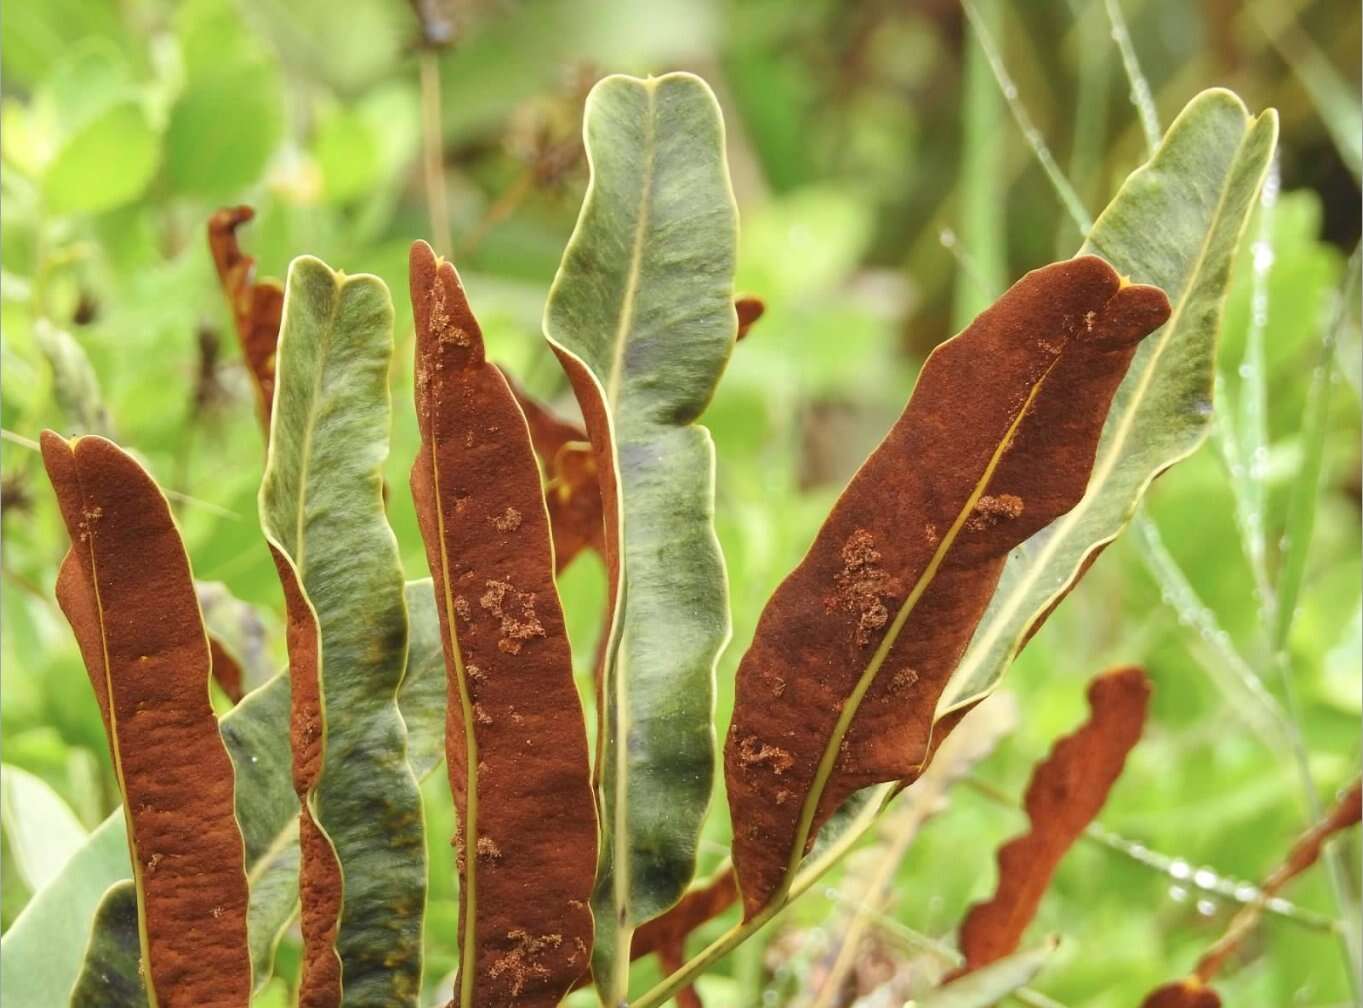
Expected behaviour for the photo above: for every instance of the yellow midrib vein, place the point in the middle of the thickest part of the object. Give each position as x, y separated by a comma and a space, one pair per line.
849, 709
469, 890
117, 747
636, 257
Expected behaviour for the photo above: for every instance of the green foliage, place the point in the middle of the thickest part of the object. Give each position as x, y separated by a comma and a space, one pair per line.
848, 145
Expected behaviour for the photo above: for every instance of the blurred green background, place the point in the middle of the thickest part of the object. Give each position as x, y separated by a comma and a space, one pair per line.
886, 195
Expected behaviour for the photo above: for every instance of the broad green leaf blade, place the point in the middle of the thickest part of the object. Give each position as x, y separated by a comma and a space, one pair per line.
641, 315
256, 733
1175, 224
41, 953
111, 976
127, 591
854, 649
42, 832
105, 164
321, 506
987, 986
516, 744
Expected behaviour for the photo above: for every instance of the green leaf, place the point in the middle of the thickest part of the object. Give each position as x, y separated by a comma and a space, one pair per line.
422, 695
1175, 224
321, 505
106, 163
222, 131
41, 953
110, 976
641, 315
986, 986
47, 936
42, 832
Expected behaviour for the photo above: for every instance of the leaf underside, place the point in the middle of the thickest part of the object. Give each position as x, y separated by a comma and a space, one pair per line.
257, 306
516, 746
852, 652
127, 591
1066, 791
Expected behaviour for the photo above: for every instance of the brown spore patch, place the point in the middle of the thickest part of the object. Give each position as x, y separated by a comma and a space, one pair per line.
521, 966
516, 611
861, 586
753, 751
992, 509
508, 521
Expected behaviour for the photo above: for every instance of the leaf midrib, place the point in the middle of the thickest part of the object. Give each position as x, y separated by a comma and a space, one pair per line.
1108, 463
469, 889
849, 709
626, 322
116, 747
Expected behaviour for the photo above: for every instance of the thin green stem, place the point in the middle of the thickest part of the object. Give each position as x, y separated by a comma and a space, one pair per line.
433, 152
1178, 869
1069, 199
814, 868
1141, 96
950, 956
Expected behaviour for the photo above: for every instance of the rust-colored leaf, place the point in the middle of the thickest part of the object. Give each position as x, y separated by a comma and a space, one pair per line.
1304, 853
126, 588
696, 907
1186, 993
1066, 791
257, 307
226, 670
515, 742
749, 310
319, 873
839, 688
571, 492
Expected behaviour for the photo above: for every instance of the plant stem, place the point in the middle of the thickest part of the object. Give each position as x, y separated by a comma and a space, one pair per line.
811, 871
433, 157
1140, 87
948, 955
1069, 199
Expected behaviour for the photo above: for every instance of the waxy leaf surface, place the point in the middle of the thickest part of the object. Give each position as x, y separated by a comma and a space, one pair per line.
642, 318
851, 654
111, 975
515, 739
322, 510
1066, 791
257, 306
127, 591
1175, 224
